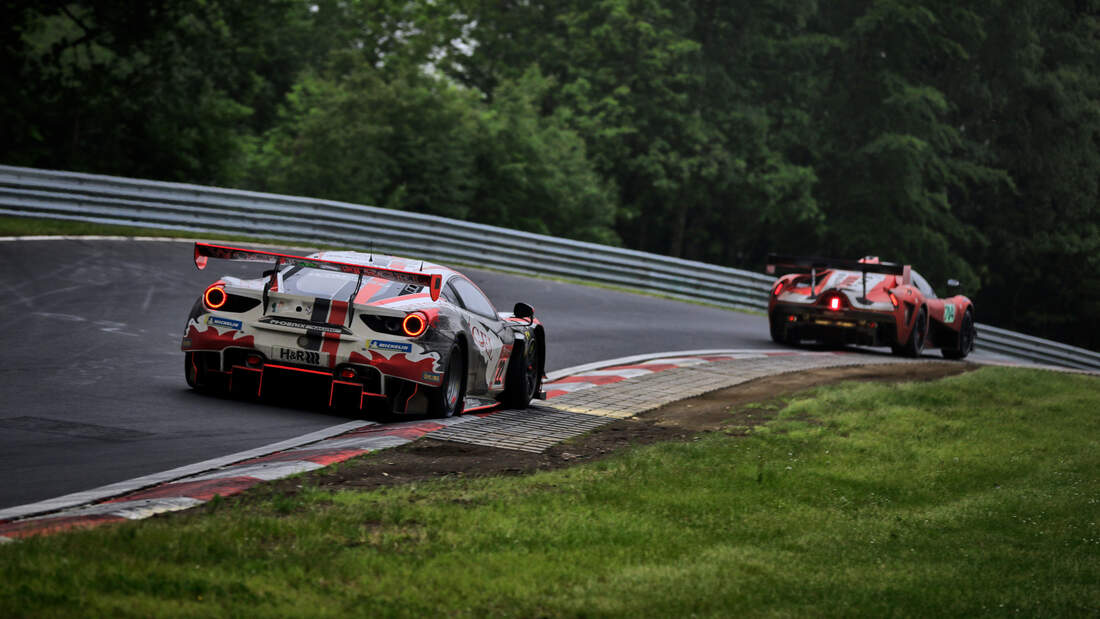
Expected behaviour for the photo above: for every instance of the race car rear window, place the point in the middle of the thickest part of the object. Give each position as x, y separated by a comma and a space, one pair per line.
332, 285
317, 283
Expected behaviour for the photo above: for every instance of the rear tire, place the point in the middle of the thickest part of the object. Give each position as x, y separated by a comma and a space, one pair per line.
524, 376
779, 333
914, 346
967, 335
447, 400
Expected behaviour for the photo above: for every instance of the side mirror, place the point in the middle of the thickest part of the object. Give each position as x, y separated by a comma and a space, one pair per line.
522, 310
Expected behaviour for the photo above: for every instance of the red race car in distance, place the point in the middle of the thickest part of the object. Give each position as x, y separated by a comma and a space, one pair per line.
866, 302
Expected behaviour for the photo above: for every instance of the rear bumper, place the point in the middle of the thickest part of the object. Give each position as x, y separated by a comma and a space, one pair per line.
248, 373
866, 328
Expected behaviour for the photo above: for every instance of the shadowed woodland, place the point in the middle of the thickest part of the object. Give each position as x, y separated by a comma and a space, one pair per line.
961, 137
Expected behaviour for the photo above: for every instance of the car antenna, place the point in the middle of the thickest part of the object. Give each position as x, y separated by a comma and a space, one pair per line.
421, 266
372, 252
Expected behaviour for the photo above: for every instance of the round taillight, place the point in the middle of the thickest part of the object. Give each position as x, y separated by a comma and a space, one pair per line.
215, 297
347, 373
415, 324
254, 361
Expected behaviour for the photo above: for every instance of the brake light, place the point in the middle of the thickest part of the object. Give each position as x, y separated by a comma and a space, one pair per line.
347, 373
894, 300
214, 297
778, 289
414, 325
834, 303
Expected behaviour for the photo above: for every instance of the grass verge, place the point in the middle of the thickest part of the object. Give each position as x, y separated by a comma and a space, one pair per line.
975, 494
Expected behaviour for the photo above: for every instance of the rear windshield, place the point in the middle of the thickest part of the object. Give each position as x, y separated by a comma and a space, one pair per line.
335, 285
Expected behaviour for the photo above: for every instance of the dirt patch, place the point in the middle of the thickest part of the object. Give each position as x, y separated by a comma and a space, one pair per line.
734, 410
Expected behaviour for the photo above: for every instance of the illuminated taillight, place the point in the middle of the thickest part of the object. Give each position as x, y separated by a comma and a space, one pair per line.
834, 303
894, 300
215, 297
254, 361
414, 325
778, 289
347, 373
792, 318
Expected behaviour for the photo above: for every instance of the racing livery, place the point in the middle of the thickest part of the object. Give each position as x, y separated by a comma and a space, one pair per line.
866, 302
365, 331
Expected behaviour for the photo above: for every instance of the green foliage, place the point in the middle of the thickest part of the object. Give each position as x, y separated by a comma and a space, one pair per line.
524, 157
958, 137
404, 143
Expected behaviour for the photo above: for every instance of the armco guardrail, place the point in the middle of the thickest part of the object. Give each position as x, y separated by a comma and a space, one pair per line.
152, 204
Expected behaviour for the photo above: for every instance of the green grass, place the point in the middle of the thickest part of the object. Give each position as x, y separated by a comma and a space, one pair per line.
975, 495
33, 226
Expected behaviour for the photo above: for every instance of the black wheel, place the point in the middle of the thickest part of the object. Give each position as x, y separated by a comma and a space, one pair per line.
780, 334
967, 335
524, 377
914, 346
447, 400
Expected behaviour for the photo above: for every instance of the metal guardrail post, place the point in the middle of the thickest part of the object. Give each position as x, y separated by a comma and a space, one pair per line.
177, 206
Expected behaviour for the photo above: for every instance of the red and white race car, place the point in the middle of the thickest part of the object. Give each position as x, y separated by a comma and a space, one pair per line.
866, 302
363, 331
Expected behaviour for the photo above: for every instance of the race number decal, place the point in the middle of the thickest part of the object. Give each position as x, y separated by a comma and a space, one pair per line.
949, 312
498, 376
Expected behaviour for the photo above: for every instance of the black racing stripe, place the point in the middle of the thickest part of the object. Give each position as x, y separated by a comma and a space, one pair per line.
314, 337
320, 310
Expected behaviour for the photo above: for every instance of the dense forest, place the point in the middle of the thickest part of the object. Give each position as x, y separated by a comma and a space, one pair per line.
959, 136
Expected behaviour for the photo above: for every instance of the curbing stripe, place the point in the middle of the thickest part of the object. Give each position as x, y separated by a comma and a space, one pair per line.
264, 471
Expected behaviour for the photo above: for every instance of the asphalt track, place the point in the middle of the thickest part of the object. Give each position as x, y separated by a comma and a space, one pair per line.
92, 389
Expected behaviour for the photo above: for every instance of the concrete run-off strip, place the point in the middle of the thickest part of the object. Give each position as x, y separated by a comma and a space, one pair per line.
578, 400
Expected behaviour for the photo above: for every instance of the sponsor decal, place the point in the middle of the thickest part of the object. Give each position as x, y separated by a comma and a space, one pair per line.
481, 339
218, 321
432, 377
949, 312
300, 356
386, 345
301, 324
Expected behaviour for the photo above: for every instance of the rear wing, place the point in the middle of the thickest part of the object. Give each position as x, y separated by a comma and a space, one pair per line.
805, 264
205, 251
808, 264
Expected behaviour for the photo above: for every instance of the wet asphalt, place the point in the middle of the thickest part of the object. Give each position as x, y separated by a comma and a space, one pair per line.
91, 384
